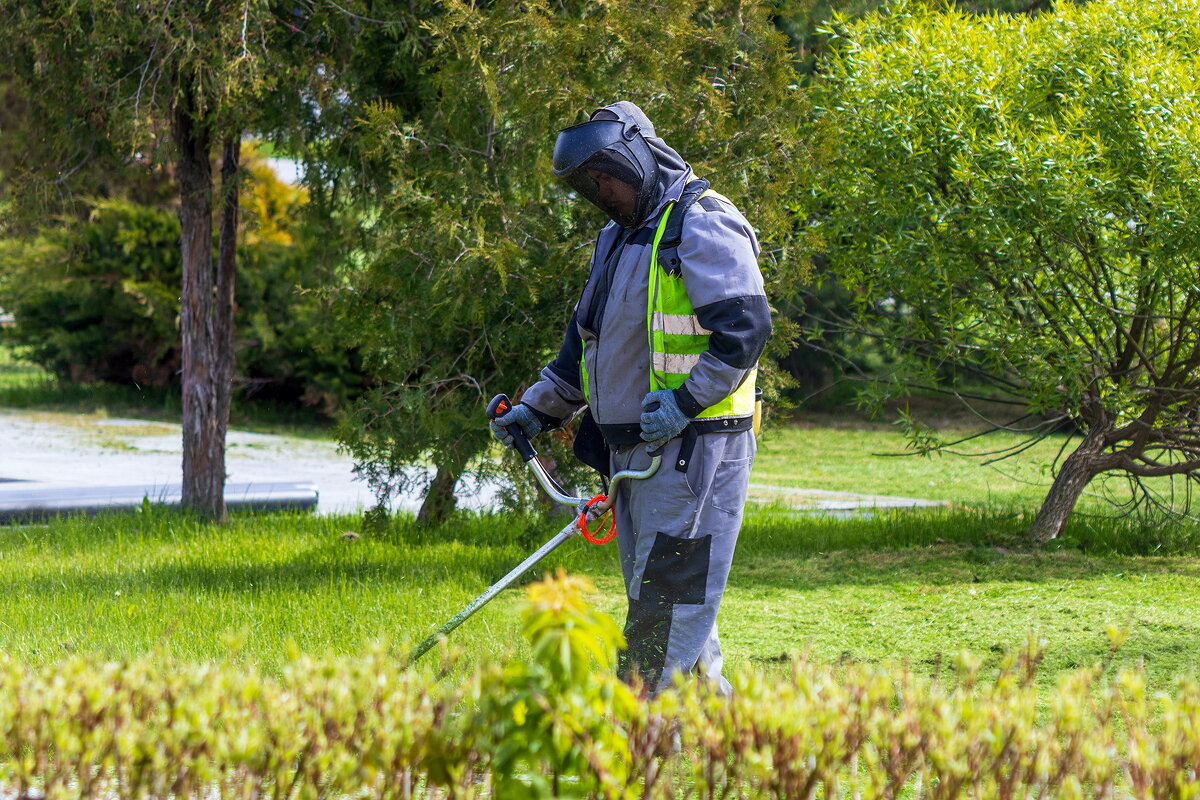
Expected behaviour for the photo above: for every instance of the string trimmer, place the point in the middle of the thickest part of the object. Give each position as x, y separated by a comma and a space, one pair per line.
589, 511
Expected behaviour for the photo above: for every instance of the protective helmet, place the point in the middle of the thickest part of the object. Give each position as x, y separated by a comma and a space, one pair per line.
614, 147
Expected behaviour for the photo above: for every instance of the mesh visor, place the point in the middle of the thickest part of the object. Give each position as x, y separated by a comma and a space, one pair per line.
618, 167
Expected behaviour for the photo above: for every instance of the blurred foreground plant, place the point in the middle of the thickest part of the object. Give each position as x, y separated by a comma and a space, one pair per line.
559, 724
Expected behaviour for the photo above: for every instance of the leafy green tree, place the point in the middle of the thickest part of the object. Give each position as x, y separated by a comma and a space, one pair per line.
481, 253
1019, 199
87, 167
180, 83
806, 21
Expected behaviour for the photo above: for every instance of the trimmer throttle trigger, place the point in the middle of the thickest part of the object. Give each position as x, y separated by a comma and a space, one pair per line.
499, 406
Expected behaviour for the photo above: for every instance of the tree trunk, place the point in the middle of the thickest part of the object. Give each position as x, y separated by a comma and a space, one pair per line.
439, 500
223, 363
206, 366
1077, 471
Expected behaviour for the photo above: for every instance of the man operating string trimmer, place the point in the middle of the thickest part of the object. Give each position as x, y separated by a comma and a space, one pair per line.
662, 348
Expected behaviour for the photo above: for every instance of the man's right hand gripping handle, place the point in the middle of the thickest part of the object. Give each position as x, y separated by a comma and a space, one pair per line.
513, 425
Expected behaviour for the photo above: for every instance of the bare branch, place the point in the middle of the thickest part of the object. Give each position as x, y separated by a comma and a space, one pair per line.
362, 18
1159, 471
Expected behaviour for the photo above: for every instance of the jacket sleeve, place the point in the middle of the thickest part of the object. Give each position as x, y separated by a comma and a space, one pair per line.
719, 255
558, 394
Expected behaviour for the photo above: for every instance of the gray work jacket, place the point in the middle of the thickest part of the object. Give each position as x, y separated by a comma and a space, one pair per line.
719, 255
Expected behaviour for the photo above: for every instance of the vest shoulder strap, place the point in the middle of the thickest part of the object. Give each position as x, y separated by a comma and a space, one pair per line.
668, 247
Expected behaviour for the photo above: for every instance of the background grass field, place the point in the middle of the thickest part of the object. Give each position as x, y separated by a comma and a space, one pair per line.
26, 386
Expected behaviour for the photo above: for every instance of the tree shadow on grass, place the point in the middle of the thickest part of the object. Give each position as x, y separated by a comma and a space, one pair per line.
946, 564
474, 553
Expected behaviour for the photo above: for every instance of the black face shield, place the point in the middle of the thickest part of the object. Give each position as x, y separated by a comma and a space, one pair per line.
612, 147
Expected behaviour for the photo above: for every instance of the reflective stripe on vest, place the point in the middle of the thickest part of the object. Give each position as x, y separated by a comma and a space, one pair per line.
677, 338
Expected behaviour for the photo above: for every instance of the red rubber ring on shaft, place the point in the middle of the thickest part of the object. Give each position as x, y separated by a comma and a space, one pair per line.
581, 523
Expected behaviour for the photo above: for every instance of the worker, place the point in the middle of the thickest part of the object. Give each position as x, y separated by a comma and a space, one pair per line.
661, 354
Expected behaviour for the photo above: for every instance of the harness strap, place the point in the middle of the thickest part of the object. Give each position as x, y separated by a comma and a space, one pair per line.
668, 247
686, 448
631, 433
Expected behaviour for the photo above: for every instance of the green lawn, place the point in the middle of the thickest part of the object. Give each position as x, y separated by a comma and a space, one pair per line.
17, 374
866, 590
819, 453
923, 605
908, 586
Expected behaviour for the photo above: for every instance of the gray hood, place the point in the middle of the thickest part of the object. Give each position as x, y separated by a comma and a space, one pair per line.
671, 166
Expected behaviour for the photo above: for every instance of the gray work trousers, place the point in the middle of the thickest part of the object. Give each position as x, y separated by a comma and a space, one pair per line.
676, 532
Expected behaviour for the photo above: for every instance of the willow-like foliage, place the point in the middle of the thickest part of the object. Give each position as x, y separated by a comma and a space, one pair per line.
1015, 202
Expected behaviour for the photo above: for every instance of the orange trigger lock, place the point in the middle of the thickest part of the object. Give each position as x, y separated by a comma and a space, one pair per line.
581, 523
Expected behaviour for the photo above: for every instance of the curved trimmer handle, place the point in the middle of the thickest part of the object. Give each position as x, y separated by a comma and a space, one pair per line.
500, 406
631, 474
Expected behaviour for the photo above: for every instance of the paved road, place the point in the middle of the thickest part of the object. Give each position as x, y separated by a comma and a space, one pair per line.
61, 451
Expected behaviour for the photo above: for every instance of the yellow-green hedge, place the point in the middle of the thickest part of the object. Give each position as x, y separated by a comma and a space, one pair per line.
561, 725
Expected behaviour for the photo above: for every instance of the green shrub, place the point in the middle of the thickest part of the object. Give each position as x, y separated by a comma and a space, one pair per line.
98, 299
287, 350
561, 725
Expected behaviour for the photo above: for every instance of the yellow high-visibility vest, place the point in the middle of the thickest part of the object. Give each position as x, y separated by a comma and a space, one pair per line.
676, 336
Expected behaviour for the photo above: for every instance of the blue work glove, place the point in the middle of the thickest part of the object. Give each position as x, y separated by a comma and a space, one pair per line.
664, 423
521, 416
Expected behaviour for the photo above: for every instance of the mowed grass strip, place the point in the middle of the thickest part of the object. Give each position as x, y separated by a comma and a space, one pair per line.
922, 605
912, 587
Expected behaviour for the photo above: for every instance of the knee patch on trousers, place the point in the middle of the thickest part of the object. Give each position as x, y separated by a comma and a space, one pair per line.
676, 574
677, 570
